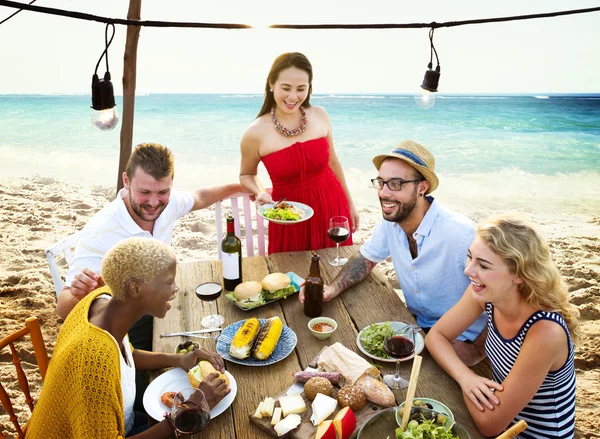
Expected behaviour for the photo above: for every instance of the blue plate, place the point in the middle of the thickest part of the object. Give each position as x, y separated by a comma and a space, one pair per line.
285, 346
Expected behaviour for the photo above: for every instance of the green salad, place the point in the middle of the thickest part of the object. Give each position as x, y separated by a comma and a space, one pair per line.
426, 430
283, 212
374, 336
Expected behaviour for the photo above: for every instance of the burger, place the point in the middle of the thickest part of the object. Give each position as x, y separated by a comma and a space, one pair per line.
277, 286
248, 294
203, 369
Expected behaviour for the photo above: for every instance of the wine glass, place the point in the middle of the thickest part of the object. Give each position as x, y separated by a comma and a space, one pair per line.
191, 415
399, 345
339, 231
209, 292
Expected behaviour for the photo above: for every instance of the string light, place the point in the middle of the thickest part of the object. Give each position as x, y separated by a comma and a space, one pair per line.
426, 99
105, 116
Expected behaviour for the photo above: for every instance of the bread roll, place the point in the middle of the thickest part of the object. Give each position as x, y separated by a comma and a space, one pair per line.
275, 281
317, 385
352, 396
247, 290
376, 391
202, 370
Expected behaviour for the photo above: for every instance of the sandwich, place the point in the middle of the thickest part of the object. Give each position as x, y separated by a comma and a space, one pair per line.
277, 285
203, 369
247, 294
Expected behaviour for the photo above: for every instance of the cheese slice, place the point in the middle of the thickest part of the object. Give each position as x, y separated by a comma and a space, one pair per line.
276, 416
287, 424
322, 407
258, 412
292, 404
268, 406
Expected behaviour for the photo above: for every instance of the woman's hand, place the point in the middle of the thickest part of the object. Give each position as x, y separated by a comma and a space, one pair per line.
480, 391
214, 388
263, 198
189, 360
355, 217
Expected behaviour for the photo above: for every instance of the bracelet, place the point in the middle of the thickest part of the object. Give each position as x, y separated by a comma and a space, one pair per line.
169, 419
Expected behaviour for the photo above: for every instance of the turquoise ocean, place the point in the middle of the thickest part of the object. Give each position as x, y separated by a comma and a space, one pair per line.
543, 148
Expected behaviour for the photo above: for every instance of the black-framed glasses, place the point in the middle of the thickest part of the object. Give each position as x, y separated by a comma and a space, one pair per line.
393, 184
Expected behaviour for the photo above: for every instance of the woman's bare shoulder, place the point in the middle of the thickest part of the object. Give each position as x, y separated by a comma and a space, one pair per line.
256, 130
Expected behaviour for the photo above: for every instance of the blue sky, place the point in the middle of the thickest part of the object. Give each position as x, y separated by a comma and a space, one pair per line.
48, 54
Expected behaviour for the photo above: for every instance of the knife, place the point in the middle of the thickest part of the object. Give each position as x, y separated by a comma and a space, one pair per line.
190, 333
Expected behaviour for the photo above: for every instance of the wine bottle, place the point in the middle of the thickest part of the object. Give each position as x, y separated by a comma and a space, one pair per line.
313, 290
232, 257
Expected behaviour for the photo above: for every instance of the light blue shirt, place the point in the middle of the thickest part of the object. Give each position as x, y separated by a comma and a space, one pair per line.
434, 281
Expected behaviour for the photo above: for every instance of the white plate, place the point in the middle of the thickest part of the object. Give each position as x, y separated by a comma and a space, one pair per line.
308, 212
396, 326
175, 380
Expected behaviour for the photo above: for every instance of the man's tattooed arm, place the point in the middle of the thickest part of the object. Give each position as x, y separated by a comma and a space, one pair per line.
356, 270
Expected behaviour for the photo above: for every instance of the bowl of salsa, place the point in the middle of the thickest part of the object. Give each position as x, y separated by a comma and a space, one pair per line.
322, 327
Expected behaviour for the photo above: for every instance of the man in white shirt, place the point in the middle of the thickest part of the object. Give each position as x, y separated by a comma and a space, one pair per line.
145, 207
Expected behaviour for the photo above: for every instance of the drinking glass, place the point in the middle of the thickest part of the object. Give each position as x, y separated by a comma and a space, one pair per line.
399, 345
210, 292
339, 231
191, 415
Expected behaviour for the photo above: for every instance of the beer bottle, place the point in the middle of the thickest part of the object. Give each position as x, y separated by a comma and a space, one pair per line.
313, 290
231, 250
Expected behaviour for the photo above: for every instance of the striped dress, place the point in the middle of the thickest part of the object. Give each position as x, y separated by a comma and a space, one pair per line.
551, 412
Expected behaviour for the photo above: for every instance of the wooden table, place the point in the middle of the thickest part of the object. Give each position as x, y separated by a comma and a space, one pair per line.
373, 300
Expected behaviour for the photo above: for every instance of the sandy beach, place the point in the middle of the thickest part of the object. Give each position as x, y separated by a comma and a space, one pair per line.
36, 212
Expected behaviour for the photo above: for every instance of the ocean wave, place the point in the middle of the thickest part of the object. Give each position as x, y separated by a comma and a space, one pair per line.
474, 97
541, 97
354, 96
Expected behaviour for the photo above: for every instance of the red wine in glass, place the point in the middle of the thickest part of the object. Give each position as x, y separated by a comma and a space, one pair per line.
338, 232
399, 347
209, 292
193, 414
191, 420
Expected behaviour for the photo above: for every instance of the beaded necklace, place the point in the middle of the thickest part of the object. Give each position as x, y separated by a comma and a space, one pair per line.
286, 131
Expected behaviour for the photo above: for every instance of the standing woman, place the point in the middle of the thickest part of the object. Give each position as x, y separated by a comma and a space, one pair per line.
294, 141
530, 329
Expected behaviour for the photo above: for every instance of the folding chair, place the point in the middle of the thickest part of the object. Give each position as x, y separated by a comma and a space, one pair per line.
248, 219
65, 246
32, 328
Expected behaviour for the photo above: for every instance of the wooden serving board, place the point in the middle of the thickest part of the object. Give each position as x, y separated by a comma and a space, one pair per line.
306, 430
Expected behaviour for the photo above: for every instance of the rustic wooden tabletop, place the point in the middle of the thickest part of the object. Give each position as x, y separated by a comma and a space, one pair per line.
373, 300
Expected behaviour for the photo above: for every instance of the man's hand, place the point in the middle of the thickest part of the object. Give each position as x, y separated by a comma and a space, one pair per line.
214, 388
328, 293
263, 198
85, 282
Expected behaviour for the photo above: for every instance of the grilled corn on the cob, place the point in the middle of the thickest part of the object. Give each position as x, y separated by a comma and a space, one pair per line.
244, 338
267, 338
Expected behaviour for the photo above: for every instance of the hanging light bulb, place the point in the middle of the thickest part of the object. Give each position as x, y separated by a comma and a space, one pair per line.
105, 116
426, 99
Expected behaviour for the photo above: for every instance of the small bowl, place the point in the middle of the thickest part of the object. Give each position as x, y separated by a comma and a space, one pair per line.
186, 344
318, 334
438, 407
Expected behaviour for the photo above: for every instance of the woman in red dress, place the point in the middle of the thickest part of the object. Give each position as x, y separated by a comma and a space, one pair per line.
301, 161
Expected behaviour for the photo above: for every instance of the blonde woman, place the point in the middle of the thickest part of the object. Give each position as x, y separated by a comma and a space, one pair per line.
531, 328
90, 384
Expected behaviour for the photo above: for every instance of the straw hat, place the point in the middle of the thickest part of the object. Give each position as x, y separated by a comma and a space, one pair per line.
415, 155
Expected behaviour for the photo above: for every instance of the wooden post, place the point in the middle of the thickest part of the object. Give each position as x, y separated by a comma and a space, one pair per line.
129, 78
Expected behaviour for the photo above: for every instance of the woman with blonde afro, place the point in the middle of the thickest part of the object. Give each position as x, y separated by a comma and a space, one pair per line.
89, 388
531, 328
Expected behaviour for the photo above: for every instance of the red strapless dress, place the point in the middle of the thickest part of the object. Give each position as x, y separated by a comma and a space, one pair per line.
301, 173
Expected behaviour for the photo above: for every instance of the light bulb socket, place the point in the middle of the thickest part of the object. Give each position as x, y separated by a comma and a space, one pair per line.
103, 95
431, 79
